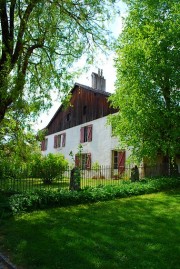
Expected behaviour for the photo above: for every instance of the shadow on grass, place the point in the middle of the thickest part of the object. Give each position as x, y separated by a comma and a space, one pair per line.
138, 232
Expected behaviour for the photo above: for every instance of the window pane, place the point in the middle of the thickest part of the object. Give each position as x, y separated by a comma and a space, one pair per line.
85, 134
84, 110
115, 160
83, 161
46, 143
59, 141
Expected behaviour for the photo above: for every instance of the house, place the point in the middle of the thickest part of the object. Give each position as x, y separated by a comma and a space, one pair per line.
85, 122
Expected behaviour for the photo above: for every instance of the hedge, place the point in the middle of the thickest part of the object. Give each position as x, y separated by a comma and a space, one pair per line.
41, 199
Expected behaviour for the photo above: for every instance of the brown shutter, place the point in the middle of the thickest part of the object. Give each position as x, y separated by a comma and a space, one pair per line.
82, 135
121, 162
89, 133
63, 140
55, 141
77, 161
43, 145
88, 163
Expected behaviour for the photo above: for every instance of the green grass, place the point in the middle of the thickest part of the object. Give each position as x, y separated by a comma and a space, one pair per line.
138, 232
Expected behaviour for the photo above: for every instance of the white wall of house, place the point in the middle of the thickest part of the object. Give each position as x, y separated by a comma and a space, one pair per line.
100, 147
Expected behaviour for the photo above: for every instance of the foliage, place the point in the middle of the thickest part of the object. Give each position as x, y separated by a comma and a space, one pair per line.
17, 142
148, 79
95, 166
18, 145
39, 42
48, 167
75, 180
5, 210
79, 153
97, 169
10, 170
49, 198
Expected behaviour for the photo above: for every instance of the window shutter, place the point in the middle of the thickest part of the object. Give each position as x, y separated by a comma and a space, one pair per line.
89, 133
121, 162
55, 141
63, 140
43, 145
82, 135
77, 161
58, 143
88, 163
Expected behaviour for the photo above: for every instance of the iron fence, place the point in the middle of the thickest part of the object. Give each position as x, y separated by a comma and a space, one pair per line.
21, 180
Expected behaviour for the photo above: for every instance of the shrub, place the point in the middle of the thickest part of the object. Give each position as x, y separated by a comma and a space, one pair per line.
48, 167
4, 169
9, 169
49, 198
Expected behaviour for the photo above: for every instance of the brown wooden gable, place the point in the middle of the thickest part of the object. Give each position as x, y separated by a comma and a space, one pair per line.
86, 104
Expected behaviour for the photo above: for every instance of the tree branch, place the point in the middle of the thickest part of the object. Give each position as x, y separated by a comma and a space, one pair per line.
22, 28
11, 34
19, 87
5, 31
28, 55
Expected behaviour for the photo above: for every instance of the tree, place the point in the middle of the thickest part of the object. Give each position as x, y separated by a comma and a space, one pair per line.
148, 79
17, 143
39, 42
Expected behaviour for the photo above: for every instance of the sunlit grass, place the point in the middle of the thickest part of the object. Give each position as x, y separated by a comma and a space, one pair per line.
138, 232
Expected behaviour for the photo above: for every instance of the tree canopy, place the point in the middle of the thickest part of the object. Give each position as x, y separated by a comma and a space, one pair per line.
39, 42
148, 79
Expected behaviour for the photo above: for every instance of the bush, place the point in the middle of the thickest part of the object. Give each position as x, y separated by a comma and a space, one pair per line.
10, 170
49, 198
48, 167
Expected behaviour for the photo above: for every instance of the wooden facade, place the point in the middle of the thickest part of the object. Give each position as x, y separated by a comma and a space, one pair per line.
86, 104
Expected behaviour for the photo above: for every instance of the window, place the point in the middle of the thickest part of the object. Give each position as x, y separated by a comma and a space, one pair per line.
44, 144
84, 114
115, 159
59, 140
86, 134
118, 160
83, 161
84, 110
68, 117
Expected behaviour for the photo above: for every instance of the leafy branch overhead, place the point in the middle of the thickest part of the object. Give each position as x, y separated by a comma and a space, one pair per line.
39, 42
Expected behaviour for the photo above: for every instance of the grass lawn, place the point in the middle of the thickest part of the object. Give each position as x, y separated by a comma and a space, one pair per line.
138, 232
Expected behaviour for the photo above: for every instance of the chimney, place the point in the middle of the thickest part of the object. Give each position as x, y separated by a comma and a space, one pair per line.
98, 81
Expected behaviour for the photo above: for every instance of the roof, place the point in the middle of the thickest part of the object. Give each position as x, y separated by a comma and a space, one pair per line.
107, 94
91, 89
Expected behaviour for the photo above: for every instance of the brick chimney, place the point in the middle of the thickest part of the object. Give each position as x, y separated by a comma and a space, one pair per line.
98, 81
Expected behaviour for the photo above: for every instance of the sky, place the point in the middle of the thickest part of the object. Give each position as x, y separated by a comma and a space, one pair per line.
103, 62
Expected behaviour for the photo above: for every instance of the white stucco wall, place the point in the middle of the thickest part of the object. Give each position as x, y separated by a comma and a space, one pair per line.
100, 147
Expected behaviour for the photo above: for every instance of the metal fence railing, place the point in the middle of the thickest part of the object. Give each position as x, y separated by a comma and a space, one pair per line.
103, 175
